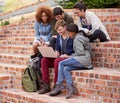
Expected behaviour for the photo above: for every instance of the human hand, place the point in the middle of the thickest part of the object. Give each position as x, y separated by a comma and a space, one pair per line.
42, 42
64, 55
57, 53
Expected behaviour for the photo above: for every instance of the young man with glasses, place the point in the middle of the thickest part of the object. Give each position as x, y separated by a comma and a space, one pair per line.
90, 23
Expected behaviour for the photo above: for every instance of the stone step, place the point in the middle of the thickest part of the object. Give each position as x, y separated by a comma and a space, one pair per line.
20, 40
106, 54
15, 70
20, 96
6, 81
17, 40
21, 59
16, 49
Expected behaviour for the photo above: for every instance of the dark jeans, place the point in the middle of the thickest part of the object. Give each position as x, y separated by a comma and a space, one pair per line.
52, 42
98, 34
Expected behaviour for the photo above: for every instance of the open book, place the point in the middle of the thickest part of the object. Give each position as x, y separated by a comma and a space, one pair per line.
47, 52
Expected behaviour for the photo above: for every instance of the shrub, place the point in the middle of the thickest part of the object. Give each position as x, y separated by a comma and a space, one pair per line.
102, 3
91, 3
3, 23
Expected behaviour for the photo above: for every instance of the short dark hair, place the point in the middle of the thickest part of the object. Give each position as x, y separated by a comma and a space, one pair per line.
72, 28
80, 6
57, 11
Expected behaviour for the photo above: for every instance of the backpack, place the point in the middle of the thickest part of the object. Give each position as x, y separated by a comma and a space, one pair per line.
35, 63
29, 79
32, 77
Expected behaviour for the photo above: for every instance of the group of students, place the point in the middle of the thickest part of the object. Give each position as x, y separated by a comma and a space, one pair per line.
70, 41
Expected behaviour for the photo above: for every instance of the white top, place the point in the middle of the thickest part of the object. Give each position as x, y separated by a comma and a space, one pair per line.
96, 23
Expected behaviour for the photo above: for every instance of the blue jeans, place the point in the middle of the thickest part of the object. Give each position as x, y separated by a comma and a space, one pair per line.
64, 69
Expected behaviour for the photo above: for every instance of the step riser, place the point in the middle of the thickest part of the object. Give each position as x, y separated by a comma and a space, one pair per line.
16, 50
106, 55
17, 72
6, 82
14, 60
18, 33
20, 40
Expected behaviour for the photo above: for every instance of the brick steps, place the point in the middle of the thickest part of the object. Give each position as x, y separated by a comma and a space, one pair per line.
20, 59
15, 70
6, 81
92, 84
110, 19
106, 54
99, 84
16, 49
16, 96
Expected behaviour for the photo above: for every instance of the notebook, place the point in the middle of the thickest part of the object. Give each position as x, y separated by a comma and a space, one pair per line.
47, 52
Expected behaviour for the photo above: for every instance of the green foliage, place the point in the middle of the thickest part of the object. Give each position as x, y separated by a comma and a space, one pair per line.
22, 18
92, 3
3, 23
102, 3
67, 3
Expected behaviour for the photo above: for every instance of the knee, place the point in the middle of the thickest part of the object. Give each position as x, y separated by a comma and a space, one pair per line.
97, 31
66, 68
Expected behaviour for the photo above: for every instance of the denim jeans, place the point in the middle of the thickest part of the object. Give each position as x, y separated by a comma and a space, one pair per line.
64, 69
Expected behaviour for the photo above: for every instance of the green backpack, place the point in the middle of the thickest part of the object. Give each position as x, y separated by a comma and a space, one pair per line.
29, 79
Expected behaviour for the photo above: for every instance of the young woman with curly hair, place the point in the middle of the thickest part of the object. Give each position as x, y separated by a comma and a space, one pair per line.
42, 27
